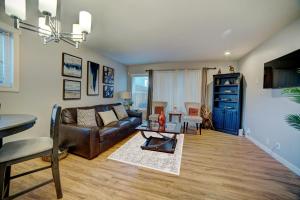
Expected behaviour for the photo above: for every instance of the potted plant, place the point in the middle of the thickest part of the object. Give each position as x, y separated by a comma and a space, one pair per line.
293, 119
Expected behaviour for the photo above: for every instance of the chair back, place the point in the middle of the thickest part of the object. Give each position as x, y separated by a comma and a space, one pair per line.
54, 125
159, 106
193, 107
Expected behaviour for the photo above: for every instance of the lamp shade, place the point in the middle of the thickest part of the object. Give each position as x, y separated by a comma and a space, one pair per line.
85, 21
76, 31
49, 6
44, 30
16, 8
125, 95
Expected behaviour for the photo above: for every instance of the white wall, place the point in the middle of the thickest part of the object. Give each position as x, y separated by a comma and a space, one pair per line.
265, 109
41, 82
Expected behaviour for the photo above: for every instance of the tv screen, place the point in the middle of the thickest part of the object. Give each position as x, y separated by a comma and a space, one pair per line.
283, 72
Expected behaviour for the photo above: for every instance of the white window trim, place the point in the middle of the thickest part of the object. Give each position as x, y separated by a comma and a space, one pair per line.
16, 83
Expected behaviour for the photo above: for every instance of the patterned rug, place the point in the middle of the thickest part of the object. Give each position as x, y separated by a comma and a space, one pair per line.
131, 153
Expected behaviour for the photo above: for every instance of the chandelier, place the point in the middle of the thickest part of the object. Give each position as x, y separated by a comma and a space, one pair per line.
49, 25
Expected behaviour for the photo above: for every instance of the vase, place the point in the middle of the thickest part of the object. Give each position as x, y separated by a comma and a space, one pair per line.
162, 119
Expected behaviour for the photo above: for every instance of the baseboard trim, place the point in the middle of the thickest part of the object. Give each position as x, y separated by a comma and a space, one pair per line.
277, 157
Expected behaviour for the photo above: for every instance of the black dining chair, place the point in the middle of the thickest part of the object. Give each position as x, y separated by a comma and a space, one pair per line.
22, 150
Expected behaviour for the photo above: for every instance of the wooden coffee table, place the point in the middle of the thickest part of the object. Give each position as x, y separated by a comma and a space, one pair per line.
163, 143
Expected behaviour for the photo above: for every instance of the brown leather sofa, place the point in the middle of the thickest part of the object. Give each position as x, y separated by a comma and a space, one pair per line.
89, 142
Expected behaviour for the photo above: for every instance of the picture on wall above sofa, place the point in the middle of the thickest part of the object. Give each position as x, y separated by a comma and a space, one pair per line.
108, 91
108, 75
71, 66
71, 89
92, 79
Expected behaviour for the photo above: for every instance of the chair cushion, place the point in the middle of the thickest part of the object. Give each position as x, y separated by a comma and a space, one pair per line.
86, 117
22, 148
158, 109
120, 112
108, 117
193, 111
153, 117
196, 119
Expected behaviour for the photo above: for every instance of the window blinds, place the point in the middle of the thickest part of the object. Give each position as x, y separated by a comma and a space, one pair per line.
6, 59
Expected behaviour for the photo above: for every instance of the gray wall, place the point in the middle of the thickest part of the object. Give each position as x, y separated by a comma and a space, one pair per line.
41, 81
265, 109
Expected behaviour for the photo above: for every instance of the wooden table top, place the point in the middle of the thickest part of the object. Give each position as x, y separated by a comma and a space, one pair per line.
10, 121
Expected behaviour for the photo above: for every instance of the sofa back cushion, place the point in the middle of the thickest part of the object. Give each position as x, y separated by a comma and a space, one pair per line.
108, 117
86, 117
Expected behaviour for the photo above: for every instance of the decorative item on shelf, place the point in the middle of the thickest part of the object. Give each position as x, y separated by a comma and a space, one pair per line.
49, 25
228, 91
162, 120
228, 107
175, 109
126, 96
217, 81
227, 82
219, 71
231, 68
237, 81
92, 79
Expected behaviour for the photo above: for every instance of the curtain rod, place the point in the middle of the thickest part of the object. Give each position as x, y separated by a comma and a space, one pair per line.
179, 69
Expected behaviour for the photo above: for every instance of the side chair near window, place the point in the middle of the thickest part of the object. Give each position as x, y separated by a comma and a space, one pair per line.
22, 150
157, 108
192, 116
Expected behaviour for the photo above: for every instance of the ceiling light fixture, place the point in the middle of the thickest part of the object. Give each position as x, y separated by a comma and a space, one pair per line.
227, 53
49, 27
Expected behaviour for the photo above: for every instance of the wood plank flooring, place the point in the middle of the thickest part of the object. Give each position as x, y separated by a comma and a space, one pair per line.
214, 166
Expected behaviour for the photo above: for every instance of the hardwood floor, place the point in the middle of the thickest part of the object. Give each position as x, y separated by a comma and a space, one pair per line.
214, 166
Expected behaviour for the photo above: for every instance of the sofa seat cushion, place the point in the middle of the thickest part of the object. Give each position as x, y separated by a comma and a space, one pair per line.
134, 121
121, 125
108, 133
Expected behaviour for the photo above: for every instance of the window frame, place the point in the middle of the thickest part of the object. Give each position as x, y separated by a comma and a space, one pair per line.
131, 82
16, 59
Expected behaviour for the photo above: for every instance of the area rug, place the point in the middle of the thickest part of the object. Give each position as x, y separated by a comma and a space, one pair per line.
131, 153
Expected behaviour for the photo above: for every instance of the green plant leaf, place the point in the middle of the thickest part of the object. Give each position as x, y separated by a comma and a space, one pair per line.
293, 120
293, 94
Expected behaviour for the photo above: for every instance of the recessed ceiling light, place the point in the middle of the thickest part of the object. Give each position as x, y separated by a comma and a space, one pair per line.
227, 53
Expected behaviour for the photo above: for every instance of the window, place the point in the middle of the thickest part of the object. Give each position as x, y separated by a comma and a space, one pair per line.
6, 59
139, 89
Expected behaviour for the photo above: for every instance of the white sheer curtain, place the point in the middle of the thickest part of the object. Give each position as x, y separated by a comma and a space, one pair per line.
177, 87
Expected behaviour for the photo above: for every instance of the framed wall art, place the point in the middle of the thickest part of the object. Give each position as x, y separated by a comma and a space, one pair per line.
108, 75
108, 91
71, 66
92, 79
71, 90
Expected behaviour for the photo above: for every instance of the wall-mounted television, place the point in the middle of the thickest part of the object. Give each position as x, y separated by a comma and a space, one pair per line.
283, 72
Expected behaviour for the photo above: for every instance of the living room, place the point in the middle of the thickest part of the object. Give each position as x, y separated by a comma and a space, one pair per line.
154, 75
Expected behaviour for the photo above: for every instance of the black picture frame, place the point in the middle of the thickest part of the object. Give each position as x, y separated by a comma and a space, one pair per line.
92, 78
71, 69
108, 75
67, 93
108, 91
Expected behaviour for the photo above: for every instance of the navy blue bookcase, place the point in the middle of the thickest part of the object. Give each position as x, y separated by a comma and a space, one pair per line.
227, 102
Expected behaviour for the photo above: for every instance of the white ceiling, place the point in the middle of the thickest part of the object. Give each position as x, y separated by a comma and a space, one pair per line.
151, 31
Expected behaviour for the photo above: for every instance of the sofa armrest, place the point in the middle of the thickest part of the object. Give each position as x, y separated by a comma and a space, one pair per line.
83, 141
132, 113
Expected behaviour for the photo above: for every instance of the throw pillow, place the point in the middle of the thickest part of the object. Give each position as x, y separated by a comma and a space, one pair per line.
108, 117
158, 109
120, 112
193, 111
86, 117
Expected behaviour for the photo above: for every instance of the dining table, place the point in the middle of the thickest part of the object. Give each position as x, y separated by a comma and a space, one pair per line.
11, 124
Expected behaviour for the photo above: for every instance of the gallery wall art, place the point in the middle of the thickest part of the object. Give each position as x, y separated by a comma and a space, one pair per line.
108, 91
71, 66
71, 89
108, 75
92, 79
